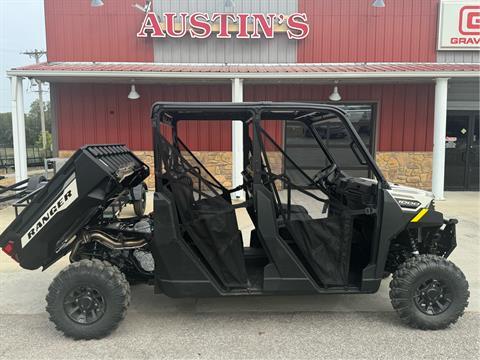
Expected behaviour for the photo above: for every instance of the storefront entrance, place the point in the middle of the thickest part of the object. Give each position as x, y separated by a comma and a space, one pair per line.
462, 151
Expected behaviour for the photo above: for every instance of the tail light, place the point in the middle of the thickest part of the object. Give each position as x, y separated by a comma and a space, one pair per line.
8, 249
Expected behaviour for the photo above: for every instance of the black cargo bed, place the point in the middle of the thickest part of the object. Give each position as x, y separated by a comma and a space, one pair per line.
78, 193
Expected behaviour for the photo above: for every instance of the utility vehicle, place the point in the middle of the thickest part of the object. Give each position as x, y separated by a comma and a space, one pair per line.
321, 230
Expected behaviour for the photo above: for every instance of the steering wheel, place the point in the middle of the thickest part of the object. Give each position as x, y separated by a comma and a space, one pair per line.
323, 174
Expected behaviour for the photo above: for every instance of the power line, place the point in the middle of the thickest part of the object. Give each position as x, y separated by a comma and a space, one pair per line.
37, 54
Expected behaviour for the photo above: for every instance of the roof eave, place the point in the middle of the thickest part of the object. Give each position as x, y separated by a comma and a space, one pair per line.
242, 75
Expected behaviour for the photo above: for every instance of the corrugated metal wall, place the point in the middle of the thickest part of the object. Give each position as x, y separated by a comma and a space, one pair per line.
101, 113
341, 31
213, 50
354, 31
78, 32
405, 111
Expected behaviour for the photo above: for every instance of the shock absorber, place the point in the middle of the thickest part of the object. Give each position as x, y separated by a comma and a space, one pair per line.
413, 244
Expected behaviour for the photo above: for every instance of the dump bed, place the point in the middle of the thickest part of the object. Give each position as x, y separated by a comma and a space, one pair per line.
78, 193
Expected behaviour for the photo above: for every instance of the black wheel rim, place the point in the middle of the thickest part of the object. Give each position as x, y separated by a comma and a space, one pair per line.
432, 297
84, 305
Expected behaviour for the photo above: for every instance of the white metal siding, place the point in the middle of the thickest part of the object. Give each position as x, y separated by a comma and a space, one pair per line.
463, 94
458, 56
213, 50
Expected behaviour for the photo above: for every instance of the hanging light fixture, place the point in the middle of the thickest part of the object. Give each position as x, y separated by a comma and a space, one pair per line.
96, 3
229, 3
335, 95
378, 3
133, 95
33, 83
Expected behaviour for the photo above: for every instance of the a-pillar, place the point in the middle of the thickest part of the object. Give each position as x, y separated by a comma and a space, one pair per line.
439, 133
237, 140
18, 129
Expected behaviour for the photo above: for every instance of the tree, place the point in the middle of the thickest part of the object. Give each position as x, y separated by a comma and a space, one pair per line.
32, 125
32, 122
6, 139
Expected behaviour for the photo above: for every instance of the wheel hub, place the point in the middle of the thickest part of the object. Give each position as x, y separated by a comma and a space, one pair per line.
84, 305
85, 302
432, 297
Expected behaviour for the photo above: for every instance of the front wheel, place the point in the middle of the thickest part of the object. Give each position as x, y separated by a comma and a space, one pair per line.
429, 292
88, 299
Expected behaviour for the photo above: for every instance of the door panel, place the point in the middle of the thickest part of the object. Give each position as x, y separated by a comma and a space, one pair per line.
473, 156
456, 152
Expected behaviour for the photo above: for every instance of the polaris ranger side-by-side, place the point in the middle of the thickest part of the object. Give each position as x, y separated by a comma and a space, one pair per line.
316, 229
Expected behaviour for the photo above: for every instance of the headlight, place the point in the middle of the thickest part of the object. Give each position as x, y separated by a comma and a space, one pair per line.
409, 204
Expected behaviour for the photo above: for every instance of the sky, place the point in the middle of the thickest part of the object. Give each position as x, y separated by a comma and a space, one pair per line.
22, 27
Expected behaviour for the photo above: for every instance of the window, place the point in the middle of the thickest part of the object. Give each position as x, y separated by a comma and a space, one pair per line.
304, 150
301, 145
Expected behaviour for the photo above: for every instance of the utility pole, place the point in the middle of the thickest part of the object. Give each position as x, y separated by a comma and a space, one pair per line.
37, 54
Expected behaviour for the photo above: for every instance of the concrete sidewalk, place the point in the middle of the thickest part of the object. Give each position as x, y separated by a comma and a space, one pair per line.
329, 326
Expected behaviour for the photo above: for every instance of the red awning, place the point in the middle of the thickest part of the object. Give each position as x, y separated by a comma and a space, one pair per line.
56, 70
253, 68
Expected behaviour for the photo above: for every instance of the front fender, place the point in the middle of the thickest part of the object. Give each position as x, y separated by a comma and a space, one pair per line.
447, 241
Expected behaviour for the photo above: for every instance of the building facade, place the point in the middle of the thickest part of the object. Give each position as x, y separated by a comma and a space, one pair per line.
408, 74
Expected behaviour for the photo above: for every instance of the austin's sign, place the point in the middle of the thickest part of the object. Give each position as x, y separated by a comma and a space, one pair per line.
201, 25
459, 25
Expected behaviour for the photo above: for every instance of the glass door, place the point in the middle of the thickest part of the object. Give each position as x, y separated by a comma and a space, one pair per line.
473, 155
462, 151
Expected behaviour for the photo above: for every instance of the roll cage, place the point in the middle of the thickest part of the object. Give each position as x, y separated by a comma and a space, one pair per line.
170, 114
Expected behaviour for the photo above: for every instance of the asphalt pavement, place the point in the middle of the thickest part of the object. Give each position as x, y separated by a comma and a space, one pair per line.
274, 327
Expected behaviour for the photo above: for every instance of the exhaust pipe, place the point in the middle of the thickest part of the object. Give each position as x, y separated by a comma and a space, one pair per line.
106, 241
113, 243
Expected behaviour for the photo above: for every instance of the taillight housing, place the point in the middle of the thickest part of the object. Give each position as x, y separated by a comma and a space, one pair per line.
8, 249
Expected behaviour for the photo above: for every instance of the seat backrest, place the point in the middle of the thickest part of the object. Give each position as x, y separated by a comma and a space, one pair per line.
182, 188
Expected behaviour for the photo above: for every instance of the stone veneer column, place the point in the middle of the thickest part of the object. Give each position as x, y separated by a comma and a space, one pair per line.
219, 163
407, 168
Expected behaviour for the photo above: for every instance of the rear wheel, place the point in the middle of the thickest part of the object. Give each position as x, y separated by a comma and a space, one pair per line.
429, 292
88, 299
